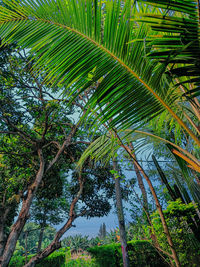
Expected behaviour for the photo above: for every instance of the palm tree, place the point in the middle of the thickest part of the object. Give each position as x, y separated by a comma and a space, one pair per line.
72, 39
78, 44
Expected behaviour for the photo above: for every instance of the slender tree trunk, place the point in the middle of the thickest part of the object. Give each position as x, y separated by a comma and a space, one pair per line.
26, 246
159, 208
120, 215
40, 239
5, 213
140, 182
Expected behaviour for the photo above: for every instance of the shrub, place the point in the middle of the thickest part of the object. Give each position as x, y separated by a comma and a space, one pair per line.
141, 254
17, 261
56, 259
80, 263
179, 220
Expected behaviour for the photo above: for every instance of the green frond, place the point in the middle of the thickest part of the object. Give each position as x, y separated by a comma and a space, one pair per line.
70, 38
140, 135
102, 149
178, 41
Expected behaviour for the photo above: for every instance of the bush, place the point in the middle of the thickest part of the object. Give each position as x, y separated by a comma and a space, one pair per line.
61, 258
80, 263
141, 254
179, 220
17, 261
56, 259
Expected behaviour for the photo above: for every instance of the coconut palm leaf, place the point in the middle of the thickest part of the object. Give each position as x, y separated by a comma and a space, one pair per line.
188, 177
177, 43
70, 39
145, 137
103, 149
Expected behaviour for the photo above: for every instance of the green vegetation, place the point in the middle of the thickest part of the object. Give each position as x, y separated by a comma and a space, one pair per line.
89, 91
141, 253
55, 259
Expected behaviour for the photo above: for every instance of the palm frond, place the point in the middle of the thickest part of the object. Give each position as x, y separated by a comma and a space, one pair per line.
102, 149
140, 135
177, 43
69, 39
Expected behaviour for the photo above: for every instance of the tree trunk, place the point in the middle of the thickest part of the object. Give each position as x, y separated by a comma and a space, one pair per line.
159, 208
140, 182
2, 238
26, 246
120, 215
23, 216
40, 239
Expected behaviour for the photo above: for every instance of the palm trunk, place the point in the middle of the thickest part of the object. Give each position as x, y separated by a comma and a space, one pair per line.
120, 215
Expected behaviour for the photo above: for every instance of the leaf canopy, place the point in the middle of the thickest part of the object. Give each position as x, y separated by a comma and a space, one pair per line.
177, 43
71, 39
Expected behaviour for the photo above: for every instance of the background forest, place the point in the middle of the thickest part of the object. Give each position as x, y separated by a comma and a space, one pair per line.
88, 90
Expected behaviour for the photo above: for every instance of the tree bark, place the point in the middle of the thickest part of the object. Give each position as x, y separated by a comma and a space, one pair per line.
23, 216
120, 215
26, 246
2, 238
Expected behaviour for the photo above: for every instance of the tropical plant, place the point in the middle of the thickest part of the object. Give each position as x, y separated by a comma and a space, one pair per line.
76, 243
97, 39
81, 44
177, 215
178, 43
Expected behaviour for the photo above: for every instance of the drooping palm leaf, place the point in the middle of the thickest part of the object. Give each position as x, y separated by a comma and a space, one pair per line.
142, 136
188, 177
70, 39
178, 41
102, 149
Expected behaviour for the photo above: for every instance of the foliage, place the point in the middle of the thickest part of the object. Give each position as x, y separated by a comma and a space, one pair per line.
80, 262
30, 234
178, 41
177, 215
57, 258
141, 253
76, 242
131, 87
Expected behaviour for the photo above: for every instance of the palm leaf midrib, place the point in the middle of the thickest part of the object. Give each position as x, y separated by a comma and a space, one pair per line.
120, 61
112, 55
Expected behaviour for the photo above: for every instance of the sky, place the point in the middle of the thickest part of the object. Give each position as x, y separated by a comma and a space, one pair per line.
90, 227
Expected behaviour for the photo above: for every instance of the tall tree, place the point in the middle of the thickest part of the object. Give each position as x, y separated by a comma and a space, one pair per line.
39, 141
